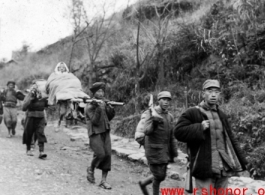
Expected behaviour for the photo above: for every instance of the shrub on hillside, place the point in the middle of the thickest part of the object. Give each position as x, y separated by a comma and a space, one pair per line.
257, 159
127, 126
247, 118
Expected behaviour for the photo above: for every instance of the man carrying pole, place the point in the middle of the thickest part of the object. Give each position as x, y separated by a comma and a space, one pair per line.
98, 114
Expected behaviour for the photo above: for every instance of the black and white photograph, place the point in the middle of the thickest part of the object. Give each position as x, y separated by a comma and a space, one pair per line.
132, 97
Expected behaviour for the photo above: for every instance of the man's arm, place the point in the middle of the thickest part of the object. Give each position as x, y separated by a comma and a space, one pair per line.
20, 96
187, 128
93, 113
27, 102
2, 95
110, 112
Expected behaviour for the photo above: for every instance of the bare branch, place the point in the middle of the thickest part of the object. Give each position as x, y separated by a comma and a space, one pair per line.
107, 66
137, 45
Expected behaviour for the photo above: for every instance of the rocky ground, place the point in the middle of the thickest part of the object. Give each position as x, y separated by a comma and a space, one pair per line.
64, 171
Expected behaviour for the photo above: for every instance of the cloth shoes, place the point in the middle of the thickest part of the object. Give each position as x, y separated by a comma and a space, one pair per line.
144, 183
29, 153
90, 175
105, 185
42, 155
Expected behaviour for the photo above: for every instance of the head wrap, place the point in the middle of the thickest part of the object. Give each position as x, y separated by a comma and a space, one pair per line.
164, 94
11, 82
96, 86
211, 83
59, 72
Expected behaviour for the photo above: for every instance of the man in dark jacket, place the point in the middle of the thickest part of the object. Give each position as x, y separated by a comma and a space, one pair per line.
214, 152
10, 96
98, 115
160, 144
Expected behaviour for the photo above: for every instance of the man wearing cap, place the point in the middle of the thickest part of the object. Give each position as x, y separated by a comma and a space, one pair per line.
98, 114
160, 144
10, 97
214, 153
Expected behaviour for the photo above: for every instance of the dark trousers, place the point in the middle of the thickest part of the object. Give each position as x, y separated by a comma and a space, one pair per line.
34, 126
159, 172
101, 145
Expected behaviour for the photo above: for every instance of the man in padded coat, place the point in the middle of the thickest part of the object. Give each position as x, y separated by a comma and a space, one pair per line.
98, 114
159, 142
214, 152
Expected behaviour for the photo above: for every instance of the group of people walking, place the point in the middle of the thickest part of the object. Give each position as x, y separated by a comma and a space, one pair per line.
35, 121
214, 153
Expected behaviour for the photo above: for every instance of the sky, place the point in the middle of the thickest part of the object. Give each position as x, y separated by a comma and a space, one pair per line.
39, 23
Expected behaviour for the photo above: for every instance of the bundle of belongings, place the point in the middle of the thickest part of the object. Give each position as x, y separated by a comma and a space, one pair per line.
39, 88
63, 85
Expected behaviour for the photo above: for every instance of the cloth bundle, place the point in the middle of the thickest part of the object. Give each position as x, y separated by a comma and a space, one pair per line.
64, 87
41, 84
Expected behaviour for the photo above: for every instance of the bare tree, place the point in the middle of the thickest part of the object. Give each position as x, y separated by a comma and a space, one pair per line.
157, 31
154, 33
78, 15
142, 58
96, 32
96, 36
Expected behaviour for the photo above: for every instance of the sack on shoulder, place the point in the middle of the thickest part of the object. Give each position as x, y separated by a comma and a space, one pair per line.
140, 129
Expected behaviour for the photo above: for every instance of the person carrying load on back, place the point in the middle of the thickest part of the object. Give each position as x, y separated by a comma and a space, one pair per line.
98, 117
156, 128
10, 97
34, 105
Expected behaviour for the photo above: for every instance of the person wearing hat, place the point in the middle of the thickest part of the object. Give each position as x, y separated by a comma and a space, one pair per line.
214, 153
159, 143
98, 115
9, 97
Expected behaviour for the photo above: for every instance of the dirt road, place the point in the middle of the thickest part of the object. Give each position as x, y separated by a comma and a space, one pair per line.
64, 171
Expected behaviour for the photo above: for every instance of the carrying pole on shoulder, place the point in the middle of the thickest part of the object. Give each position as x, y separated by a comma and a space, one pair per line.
112, 103
152, 109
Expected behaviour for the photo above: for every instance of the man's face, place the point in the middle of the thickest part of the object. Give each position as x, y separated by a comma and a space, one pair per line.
99, 94
11, 86
211, 95
61, 68
164, 103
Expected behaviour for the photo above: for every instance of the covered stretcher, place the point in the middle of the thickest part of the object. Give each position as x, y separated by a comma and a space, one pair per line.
63, 85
